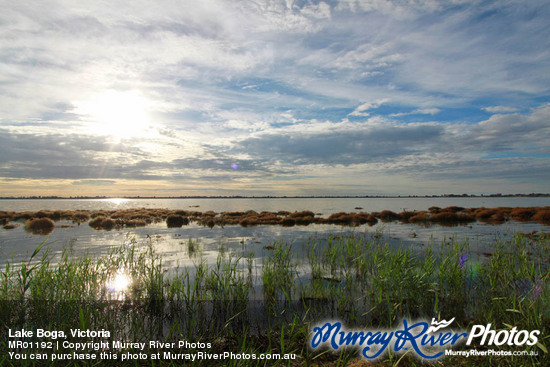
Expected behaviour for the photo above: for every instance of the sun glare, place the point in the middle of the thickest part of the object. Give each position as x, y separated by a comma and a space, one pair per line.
117, 114
115, 201
118, 284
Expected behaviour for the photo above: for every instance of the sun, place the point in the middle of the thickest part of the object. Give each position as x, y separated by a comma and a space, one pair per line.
116, 114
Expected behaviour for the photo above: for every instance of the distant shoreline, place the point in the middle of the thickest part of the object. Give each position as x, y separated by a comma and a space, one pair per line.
280, 197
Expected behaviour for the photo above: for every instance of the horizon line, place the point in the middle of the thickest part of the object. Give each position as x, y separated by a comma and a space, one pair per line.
495, 195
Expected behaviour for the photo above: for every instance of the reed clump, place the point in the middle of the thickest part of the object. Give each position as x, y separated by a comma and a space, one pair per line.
453, 209
484, 214
22, 216
100, 222
542, 216
498, 218
5, 217
387, 216
131, 218
523, 214
248, 221
268, 218
301, 214
304, 217
176, 220
108, 224
451, 217
340, 218
364, 218
419, 217
405, 216
80, 216
41, 226
135, 223
42, 214
496, 215
287, 222
351, 219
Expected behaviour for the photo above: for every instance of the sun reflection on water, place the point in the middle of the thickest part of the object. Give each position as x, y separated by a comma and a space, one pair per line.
118, 284
116, 201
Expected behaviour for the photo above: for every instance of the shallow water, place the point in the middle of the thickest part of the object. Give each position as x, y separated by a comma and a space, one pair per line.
190, 245
172, 244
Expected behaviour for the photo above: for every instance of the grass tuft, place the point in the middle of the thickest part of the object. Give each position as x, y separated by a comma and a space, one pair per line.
100, 222
41, 226
388, 216
523, 214
542, 216
176, 220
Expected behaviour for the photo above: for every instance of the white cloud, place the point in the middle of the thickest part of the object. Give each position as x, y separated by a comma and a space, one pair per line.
318, 11
500, 109
421, 111
216, 74
513, 132
427, 111
361, 110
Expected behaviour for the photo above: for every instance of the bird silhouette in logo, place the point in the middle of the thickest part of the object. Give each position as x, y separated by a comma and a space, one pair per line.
439, 325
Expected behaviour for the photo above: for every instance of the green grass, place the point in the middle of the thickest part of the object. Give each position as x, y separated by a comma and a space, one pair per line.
358, 280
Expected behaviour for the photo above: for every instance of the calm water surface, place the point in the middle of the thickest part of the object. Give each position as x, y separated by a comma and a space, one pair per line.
172, 244
317, 205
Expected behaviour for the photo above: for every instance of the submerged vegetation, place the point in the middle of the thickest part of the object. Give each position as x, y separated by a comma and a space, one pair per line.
118, 219
353, 278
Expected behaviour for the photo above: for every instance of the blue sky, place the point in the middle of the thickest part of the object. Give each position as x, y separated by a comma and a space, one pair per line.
274, 97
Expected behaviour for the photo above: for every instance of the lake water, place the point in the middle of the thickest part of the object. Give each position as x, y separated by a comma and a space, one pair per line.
172, 244
325, 206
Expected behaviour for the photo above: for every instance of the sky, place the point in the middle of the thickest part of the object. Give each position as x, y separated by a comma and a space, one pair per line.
268, 97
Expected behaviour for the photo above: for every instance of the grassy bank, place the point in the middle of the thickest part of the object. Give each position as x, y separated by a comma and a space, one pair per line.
362, 283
